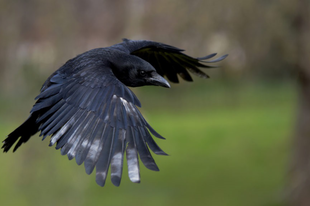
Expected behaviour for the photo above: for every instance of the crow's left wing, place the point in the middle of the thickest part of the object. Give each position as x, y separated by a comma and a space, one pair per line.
169, 60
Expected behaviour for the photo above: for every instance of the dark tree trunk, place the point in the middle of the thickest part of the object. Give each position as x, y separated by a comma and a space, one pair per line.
300, 167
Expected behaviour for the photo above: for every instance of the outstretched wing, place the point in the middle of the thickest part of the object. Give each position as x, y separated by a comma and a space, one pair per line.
170, 61
93, 118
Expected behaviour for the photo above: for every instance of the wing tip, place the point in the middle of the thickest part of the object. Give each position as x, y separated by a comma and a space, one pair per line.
88, 168
5, 147
134, 177
100, 181
116, 180
203, 59
161, 153
152, 166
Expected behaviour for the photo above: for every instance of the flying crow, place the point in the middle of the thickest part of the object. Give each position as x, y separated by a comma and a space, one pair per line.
90, 113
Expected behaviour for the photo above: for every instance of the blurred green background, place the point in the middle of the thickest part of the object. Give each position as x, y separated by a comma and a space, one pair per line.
228, 137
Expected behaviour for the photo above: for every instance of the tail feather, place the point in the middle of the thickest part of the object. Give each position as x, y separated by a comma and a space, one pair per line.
22, 133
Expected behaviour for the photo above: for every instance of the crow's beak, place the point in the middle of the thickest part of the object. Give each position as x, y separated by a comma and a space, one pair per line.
158, 80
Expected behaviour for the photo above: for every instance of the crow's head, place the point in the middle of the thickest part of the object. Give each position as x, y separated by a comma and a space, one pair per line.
135, 72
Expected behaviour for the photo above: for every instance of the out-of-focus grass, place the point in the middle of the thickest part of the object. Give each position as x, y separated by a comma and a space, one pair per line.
228, 145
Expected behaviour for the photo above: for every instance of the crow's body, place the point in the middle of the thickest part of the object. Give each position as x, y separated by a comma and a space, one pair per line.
88, 110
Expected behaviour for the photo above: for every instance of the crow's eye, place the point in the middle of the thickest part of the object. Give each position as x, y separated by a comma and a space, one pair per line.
142, 73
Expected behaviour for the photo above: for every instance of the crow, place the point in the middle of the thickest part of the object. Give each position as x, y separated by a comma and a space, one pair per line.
89, 112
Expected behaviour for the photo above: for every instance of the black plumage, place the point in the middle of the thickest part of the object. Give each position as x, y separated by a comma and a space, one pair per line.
90, 113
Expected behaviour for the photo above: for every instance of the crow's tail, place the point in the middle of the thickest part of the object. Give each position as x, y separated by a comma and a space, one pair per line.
23, 133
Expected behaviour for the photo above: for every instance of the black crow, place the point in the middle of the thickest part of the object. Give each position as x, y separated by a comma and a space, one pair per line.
88, 110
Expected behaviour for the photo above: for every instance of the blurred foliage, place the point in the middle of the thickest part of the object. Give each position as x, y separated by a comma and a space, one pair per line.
37, 37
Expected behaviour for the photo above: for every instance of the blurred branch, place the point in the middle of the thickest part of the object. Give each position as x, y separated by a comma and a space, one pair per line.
300, 168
